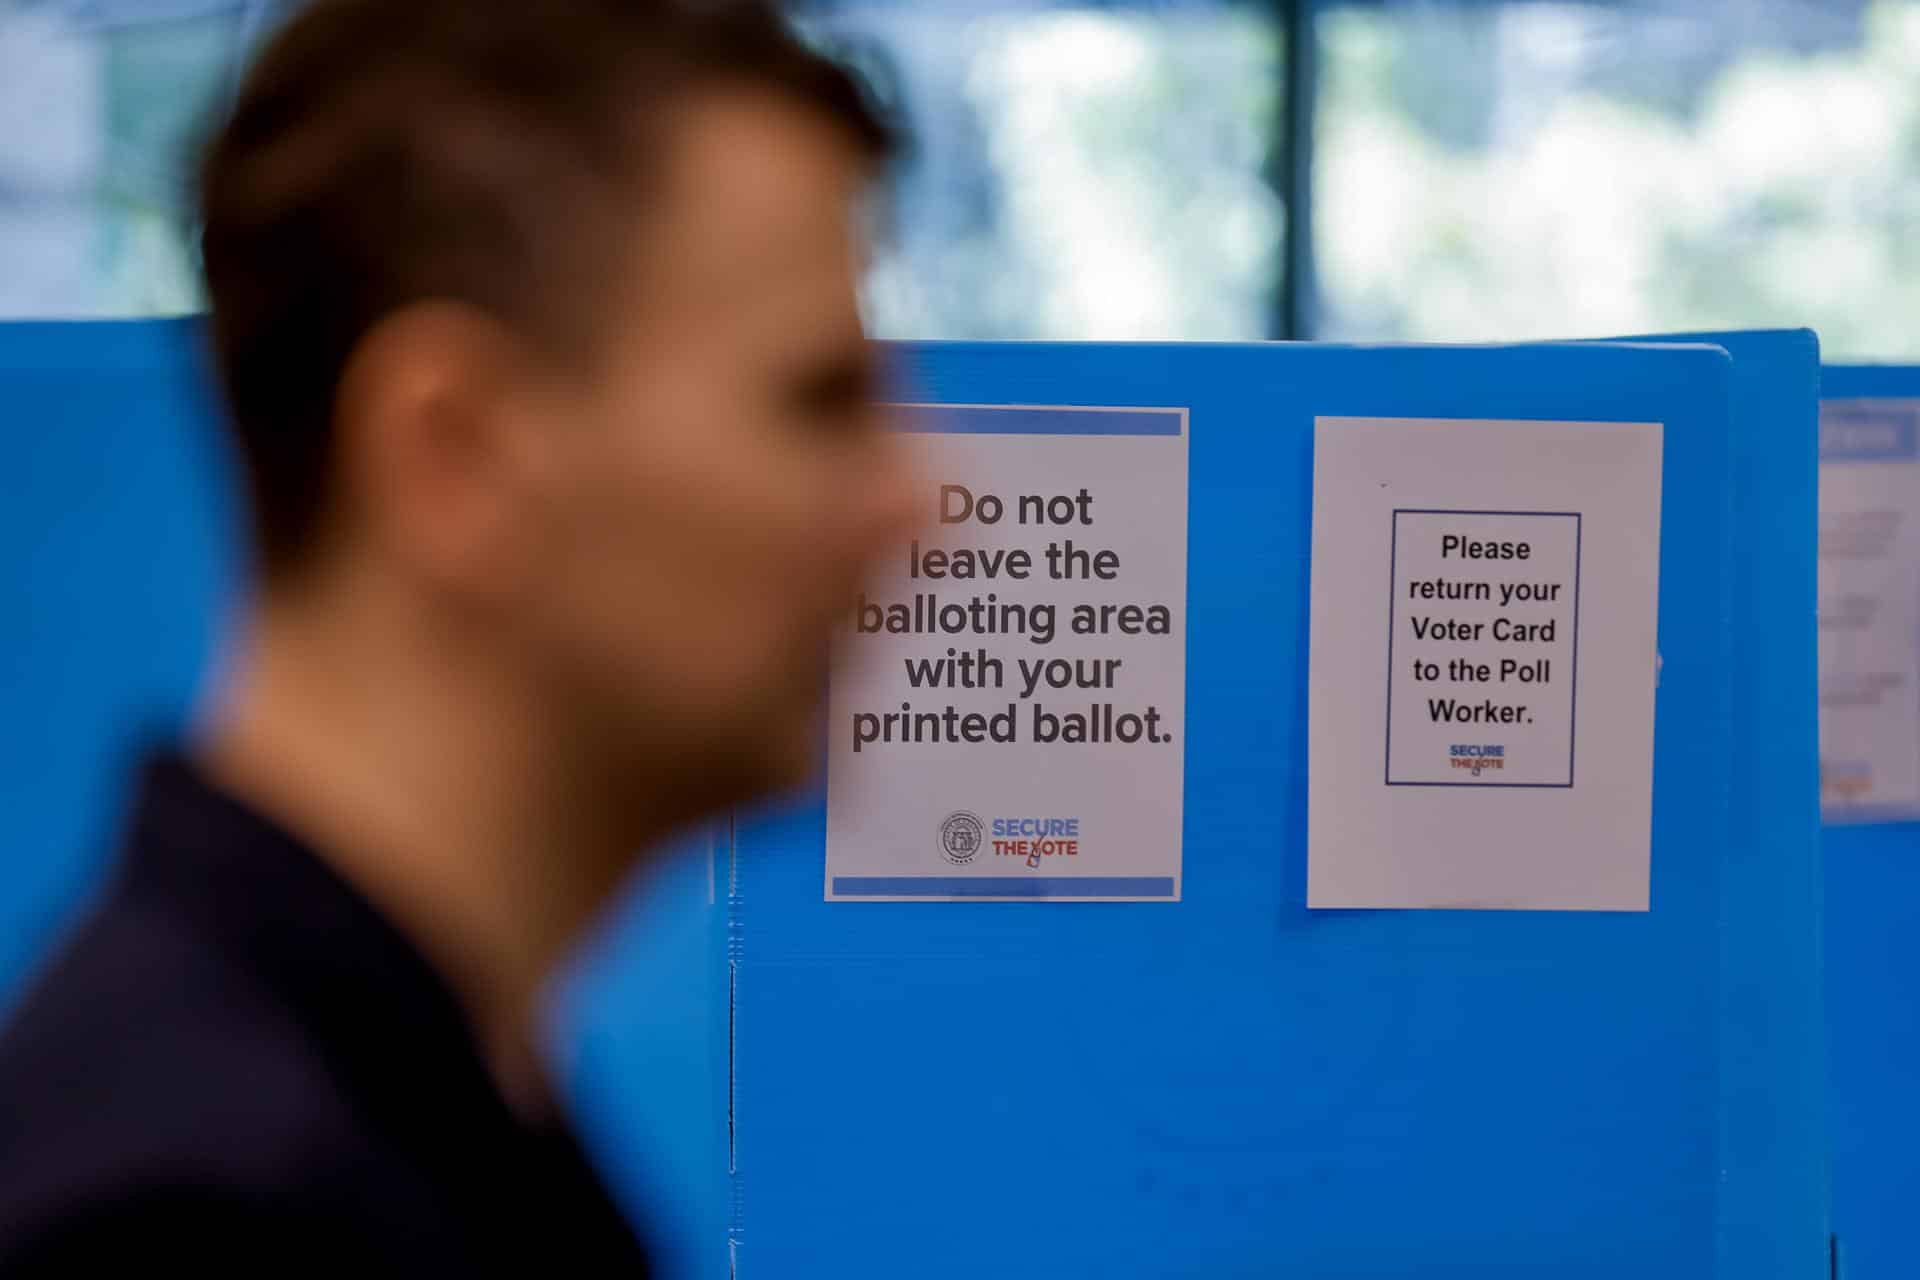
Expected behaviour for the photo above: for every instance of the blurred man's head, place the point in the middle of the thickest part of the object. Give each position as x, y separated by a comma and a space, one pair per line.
538, 323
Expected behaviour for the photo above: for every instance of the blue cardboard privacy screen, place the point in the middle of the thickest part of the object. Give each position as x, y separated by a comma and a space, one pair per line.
639, 1030
1234, 1085
120, 557
1231, 1085
1774, 1063
1873, 962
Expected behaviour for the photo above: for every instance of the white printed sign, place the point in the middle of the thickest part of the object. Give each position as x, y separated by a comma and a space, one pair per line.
1011, 723
1869, 609
1482, 664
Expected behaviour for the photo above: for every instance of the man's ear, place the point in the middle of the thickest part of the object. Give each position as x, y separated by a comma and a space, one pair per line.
429, 419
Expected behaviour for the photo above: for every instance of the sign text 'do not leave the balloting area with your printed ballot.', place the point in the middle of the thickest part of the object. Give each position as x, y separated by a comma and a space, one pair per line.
1010, 723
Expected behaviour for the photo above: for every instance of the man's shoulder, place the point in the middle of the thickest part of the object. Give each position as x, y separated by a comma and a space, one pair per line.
147, 1059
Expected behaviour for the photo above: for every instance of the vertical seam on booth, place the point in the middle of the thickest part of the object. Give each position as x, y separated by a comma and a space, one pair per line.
734, 1215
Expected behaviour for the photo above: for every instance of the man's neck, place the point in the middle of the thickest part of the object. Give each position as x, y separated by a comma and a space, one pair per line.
430, 784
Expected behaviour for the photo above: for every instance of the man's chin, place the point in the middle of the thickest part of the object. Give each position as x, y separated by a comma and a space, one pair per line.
792, 767
771, 767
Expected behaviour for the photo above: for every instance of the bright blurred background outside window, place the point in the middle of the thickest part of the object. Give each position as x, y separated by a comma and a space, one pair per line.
1468, 169
1529, 170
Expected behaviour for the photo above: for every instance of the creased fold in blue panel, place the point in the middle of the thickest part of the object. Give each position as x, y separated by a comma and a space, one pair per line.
1775, 1211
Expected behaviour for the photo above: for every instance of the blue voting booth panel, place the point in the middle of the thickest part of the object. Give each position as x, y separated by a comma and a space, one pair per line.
1230, 1085
1233, 1085
1775, 1063
1873, 965
639, 1029
119, 553
119, 557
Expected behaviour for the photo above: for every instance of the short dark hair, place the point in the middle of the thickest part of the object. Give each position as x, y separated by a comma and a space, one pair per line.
384, 152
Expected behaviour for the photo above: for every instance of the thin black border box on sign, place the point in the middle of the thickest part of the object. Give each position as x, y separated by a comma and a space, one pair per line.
1393, 613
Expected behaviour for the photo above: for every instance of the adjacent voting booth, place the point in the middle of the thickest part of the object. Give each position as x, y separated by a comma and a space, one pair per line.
1870, 740
1021, 1032
1292, 812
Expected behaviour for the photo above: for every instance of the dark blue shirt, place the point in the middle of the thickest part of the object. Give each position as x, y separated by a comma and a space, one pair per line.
236, 1066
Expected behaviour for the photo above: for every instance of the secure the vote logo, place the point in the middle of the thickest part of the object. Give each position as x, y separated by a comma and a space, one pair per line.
960, 836
1475, 757
1033, 840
